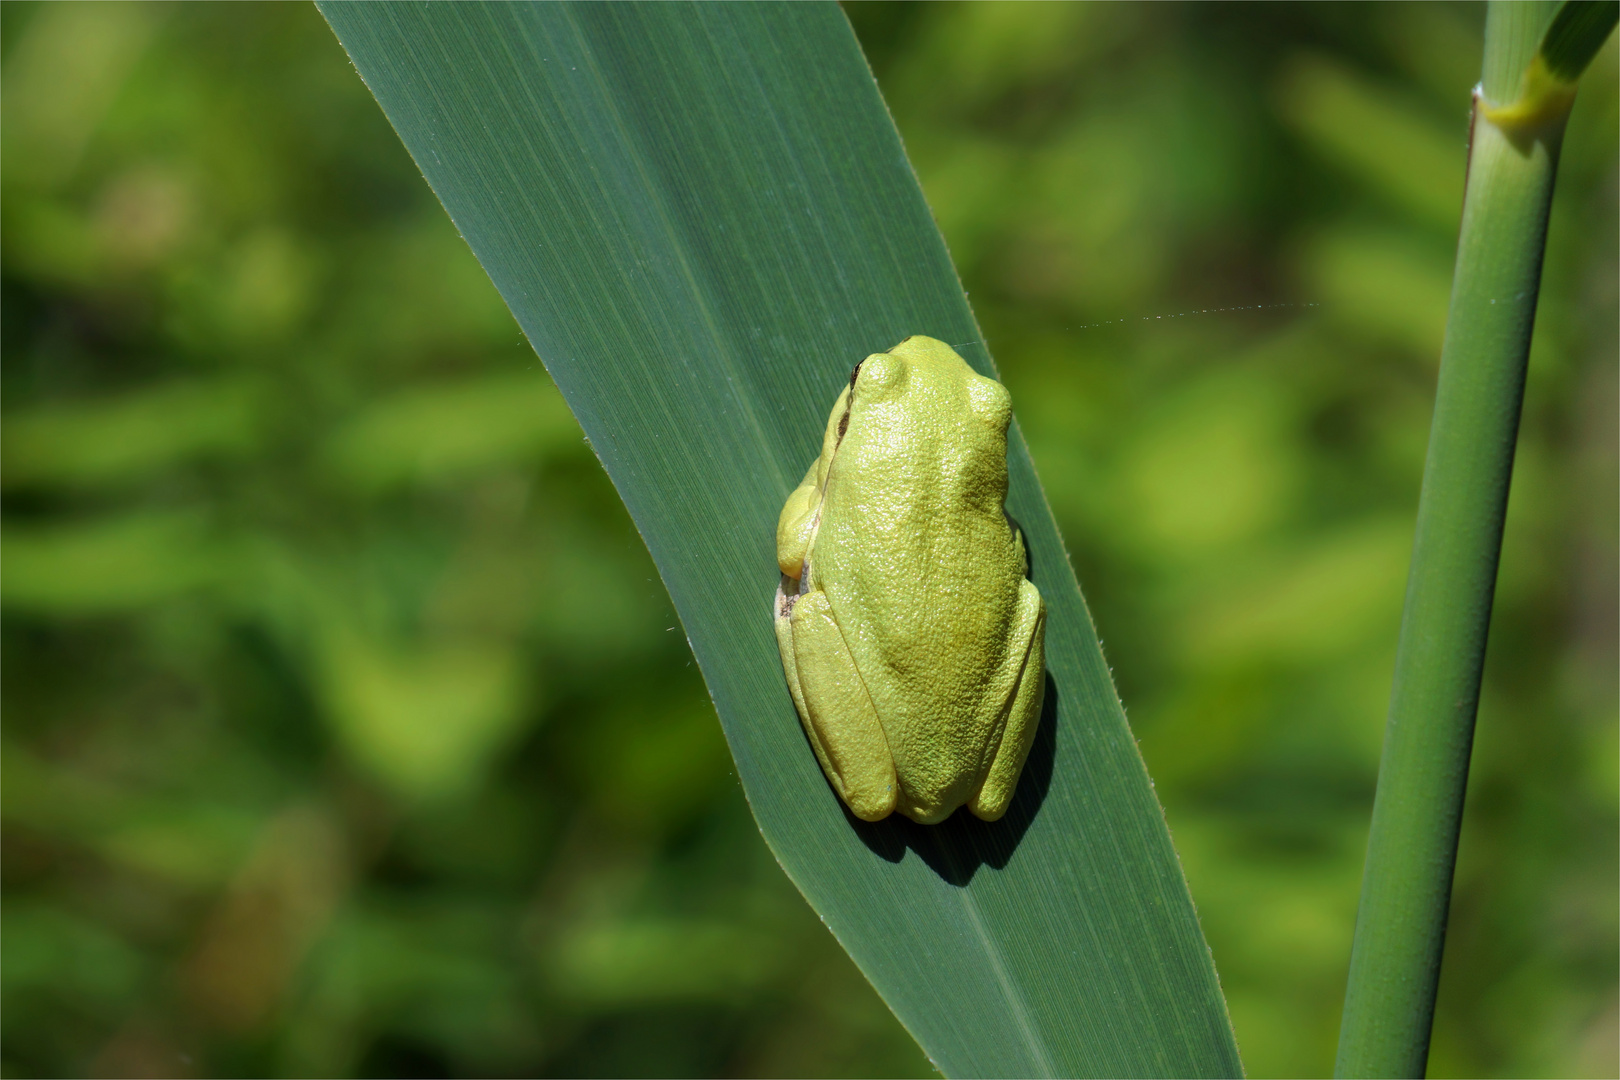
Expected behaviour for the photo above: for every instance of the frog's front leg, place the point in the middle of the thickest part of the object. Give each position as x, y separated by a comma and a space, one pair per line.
834, 705
1028, 653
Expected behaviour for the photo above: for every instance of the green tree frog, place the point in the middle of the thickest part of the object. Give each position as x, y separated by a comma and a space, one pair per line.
912, 640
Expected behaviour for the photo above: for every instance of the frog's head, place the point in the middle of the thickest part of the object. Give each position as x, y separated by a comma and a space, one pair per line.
923, 378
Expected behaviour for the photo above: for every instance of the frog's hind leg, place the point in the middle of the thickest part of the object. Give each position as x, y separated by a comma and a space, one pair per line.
835, 707
1023, 707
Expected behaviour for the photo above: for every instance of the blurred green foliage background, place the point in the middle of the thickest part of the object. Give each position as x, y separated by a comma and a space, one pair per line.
347, 727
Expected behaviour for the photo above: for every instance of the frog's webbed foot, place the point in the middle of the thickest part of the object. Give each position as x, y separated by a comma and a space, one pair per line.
1023, 714
834, 705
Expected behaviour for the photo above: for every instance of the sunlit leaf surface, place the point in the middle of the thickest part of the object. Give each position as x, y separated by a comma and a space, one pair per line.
702, 218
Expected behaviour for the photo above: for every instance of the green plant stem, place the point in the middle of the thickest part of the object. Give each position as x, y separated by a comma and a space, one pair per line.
1406, 888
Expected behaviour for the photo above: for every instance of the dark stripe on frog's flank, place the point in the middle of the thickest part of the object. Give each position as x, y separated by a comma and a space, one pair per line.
843, 422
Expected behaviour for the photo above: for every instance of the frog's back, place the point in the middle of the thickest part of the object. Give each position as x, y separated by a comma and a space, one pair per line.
919, 561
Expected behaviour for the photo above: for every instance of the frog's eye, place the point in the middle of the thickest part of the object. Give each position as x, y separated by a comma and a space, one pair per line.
878, 372
990, 402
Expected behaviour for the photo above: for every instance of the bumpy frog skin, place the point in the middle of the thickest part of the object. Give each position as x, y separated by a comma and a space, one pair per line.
912, 641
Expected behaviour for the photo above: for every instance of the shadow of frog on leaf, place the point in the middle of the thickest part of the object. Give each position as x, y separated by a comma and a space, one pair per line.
956, 847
